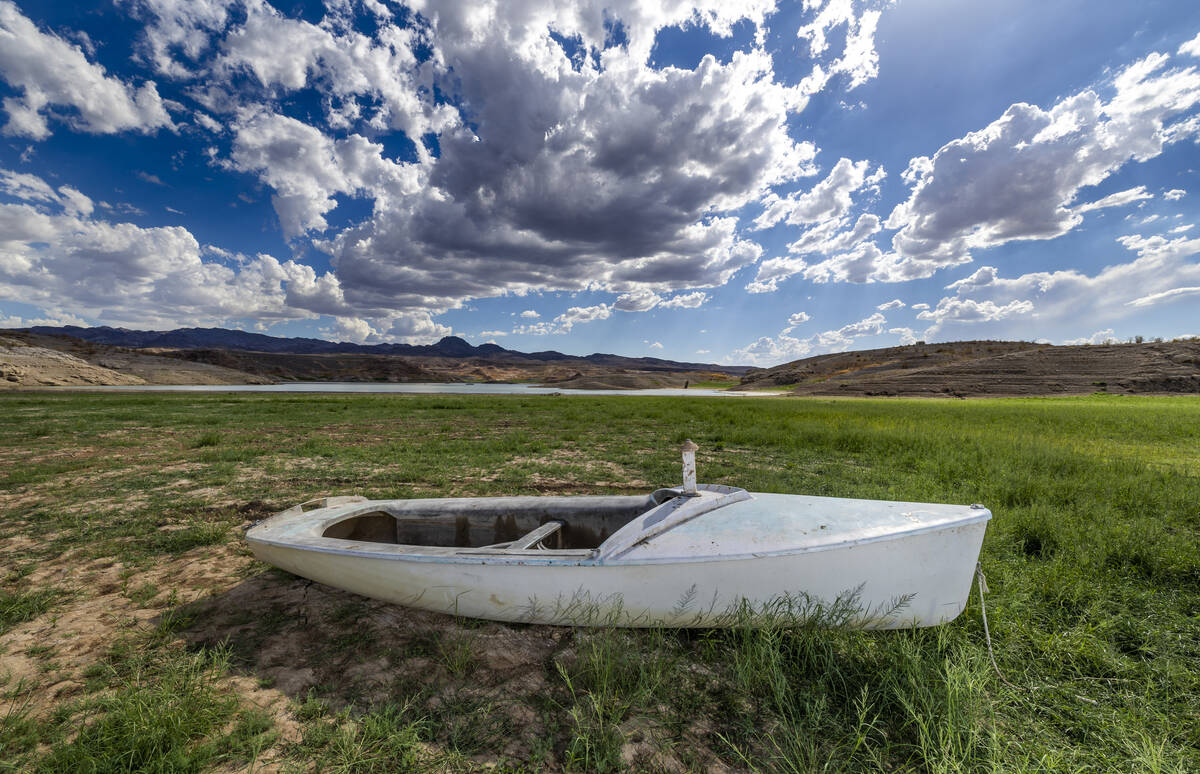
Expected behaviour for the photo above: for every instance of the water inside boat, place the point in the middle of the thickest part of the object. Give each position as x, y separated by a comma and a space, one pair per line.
559, 523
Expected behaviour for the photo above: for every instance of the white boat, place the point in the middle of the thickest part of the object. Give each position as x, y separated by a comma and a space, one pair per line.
696, 555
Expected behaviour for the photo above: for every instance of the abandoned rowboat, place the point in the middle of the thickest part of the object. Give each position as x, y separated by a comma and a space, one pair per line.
696, 555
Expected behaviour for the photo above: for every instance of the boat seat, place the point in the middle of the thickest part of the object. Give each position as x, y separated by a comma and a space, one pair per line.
532, 539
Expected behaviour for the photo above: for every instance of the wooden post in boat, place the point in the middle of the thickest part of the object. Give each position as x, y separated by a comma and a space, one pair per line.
689, 468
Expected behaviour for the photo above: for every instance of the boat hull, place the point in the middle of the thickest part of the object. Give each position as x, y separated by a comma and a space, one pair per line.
920, 578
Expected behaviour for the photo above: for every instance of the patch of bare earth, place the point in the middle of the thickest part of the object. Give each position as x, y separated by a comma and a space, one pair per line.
303, 638
98, 610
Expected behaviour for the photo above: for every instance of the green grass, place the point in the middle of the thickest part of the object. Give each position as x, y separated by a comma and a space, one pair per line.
1093, 559
155, 710
20, 606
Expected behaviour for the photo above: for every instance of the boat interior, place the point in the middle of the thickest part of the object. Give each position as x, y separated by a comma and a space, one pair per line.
502, 523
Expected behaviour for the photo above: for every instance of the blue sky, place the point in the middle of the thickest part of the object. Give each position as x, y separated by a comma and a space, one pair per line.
742, 182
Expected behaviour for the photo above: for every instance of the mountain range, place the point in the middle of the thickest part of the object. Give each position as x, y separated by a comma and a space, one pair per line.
449, 347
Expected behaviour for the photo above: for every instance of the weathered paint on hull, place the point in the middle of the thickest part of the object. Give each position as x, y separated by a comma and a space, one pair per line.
930, 572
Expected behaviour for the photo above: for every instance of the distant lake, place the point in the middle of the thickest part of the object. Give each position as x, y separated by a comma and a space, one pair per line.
427, 388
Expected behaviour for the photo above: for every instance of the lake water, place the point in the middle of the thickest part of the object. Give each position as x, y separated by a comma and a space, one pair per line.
425, 388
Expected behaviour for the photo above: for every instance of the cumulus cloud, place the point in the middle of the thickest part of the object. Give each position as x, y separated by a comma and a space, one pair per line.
637, 301
415, 327
831, 236
56, 255
798, 318
826, 208
530, 314
352, 329
1105, 336
558, 167
1018, 177
1164, 271
564, 322
768, 350
970, 310
693, 300
613, 180
1191, 48
532, 163
307, 168
828, 200
1175, 194
411, 328
895, 303
858, 59
51, 72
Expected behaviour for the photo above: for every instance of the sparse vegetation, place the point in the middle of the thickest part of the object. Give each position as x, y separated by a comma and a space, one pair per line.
117, 528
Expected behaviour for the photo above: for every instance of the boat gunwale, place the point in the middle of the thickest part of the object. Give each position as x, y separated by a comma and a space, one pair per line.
589, 557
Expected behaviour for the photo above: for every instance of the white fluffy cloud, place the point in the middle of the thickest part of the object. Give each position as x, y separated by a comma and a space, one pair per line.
1099, 337
828, 200
546, 152
693, 300
1191, 48
637, 301
50, 72
969, 310
858, 59
307, 169
353, 329
16, 321
1018, 177
412, 328
1165, 271
613, 180
56, 255
826, 209
564, 322
895, 303
554, 171
798, 318
769, 350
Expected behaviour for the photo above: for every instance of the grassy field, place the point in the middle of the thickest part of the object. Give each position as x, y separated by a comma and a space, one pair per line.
137, 634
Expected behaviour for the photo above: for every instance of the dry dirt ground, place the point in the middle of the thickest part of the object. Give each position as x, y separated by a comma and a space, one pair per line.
485, 683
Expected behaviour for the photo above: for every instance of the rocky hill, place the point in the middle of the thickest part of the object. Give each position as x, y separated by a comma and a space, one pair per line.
976, 368
30, 360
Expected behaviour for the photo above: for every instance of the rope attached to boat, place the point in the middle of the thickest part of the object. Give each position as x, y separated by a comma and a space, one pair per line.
987, 635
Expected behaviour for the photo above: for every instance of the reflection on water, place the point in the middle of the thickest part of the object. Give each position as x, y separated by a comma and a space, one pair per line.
457, 388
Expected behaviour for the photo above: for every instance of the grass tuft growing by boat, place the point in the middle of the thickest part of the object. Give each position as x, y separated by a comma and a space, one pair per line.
120, 518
